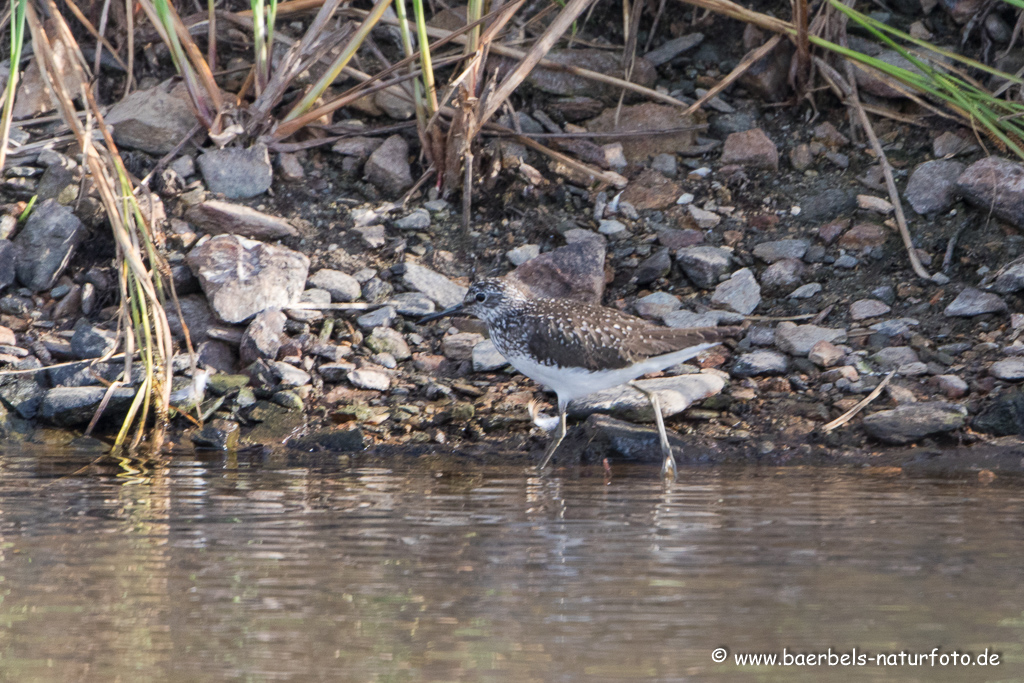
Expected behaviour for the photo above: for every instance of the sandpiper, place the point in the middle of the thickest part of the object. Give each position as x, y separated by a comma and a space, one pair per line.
576, 348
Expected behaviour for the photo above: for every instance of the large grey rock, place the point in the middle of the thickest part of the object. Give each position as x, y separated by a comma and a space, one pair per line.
798, 340
437, 287
237, 173
342, 286
263, 337
153, 120
932, 185
217, 218
675, 394
242, 277
388, 167
22, 394
45, 245
971, 302
575, 271
704, 265
741, 292
913, 421
72, 406
995, 184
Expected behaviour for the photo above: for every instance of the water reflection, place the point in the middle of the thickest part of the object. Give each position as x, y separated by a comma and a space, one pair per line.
265, 570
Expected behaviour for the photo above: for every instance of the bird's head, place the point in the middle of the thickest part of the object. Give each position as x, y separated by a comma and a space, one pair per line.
486, 299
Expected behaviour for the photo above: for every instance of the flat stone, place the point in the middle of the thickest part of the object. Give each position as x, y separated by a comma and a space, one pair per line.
798, 340
382, 317
373, 236
680, 239
374, 380
242, 277
651, 191
333, 373
575, 271
237, 173
913, 421
263, 337
997, 185
73, 406
912, 369
951, 386
44, 246
932, 186
387, 340
751, 148
892, 357
486, 358
1011, 369
437, 287
827, 205
671, 49
806, 291
92, 342
613, 229
342, 286
654, 267
868, 308
706, 220
460, 346
356, 146
971, 302
418, 219
760, 363
770, 252
656, 305
216, 218
675, 394
645, 118
332, 439
846, 261
704, 265
741, 292
388, 166
289, 375
712, 318
412, 304
153, 120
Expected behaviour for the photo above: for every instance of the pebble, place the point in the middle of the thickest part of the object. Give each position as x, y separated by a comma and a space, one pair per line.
386, 340
741, 292
333, 373
994, 184
950, 385
868, 308
912, 369
372, 236
751, 148
825, 354
412, 304
365, 378
1011, 369
760, 363
437, 287
216, 217
342, 286
290, 375
846, 261
237, 173
711, 318
521, 255
783, 274
798, 340
1010, 280
863, 236
971, 302
776, 250
613, 229
932, 186
388, 166
704, 265
704, 219
460, 346
382, 317
892, 357
806, 291
419, 219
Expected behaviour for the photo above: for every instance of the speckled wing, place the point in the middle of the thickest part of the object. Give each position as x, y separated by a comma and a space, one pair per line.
654, 341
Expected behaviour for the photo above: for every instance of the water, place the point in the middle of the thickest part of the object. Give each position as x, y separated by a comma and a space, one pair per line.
209, 569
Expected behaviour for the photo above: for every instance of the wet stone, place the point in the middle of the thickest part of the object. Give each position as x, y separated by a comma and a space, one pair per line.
913, 421
7, 263
221, 435
333, 439
21, 394
73, 406
1003, 417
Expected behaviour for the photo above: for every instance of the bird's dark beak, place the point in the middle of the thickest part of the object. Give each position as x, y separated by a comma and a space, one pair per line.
441, 314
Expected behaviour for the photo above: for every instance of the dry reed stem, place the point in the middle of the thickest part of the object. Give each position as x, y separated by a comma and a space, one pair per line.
849, 414
740, 69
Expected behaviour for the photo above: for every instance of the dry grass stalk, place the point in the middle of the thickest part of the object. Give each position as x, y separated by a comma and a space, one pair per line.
741, 68
849, 414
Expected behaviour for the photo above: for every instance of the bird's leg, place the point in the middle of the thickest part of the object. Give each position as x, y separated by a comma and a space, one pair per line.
668, 466
557, 438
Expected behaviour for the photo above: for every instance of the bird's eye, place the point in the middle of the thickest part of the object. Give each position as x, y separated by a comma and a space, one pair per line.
481, 297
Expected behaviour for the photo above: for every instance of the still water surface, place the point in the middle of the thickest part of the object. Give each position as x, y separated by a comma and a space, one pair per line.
208, 569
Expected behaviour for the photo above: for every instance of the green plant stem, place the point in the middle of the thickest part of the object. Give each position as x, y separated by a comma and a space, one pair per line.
425, 61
